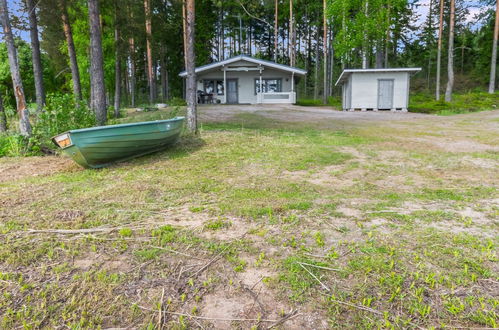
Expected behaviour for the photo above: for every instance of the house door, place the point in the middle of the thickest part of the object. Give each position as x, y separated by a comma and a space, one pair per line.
232, 94
385, 93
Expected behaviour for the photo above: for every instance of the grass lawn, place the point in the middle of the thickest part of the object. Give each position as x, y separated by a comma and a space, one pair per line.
261, 223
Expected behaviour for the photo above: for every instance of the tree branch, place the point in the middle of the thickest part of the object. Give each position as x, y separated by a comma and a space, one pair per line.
253, 16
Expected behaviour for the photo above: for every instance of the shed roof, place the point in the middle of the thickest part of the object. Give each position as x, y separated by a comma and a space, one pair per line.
248, 59
347, 72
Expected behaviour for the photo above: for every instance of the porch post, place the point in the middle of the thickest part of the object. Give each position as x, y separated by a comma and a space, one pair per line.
259, 96
225, 84
293, 96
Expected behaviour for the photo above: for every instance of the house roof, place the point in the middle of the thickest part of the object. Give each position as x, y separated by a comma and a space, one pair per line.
248, 59
347, 72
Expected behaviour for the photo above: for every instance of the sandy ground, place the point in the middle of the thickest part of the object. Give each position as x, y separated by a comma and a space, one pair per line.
293, 113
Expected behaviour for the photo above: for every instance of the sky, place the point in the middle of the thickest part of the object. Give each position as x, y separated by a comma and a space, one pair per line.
474, 8
422, 10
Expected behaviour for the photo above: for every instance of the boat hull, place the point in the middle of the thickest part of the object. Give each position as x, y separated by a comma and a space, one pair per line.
102, 146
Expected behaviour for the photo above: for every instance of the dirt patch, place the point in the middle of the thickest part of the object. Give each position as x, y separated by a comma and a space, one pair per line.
452, 145
12, 169
481, 162
327, 176
349, 212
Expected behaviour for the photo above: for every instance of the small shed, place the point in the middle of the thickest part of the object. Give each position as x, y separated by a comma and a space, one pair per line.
247, 80
376, 89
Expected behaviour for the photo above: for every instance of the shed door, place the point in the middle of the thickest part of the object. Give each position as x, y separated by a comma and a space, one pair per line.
385, 93
232, 95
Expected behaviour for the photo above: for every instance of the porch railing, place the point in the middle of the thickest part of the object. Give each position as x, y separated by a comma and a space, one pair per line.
281, 97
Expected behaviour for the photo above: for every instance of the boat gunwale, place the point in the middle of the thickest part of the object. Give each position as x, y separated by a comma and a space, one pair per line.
89, 129
140, 123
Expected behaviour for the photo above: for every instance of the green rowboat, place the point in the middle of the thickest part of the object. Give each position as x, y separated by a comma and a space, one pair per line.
101, 146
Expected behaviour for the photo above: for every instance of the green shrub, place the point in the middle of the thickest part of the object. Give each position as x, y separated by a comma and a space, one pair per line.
177, 101
461, 103
13, 145
309, 102
61, 113
334, 101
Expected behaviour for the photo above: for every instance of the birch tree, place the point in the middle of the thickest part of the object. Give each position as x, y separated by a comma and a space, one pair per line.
439, 50
493, 62
36, 55
150, 73
450, 61
190, 60
22, 111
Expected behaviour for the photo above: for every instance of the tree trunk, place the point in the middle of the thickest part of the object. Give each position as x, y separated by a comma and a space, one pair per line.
331, 62
317, 63
35, 55
98, 100
184, 35
22, 111
325, 52
309, 56
387, 40
439, 50
3, 118
132, 70
292, 36
276, 29
73, 63
379, 56
450, 63
493, 64
430, 27
364, 43
150, 74
117, 69
190, 60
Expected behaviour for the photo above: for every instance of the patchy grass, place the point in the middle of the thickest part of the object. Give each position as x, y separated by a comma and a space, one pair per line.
461, 103
355, 227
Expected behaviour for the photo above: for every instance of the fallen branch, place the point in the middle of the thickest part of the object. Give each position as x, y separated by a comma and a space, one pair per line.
323, 285
175, 251
367, 309
71, 231
321, 267
255, 298
290, 316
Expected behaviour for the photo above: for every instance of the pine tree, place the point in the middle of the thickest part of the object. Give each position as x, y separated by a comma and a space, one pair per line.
98, 94
3, 117
36, 55
73, 63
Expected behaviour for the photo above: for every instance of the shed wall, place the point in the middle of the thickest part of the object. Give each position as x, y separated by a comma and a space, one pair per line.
364, 89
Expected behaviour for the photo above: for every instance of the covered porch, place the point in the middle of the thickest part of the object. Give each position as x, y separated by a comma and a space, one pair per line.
247, 80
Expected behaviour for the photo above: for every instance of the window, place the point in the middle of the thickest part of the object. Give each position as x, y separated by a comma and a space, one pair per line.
268, 85
210, 85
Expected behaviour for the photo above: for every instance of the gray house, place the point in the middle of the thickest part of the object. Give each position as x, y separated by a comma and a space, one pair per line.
245, 79
376, 89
